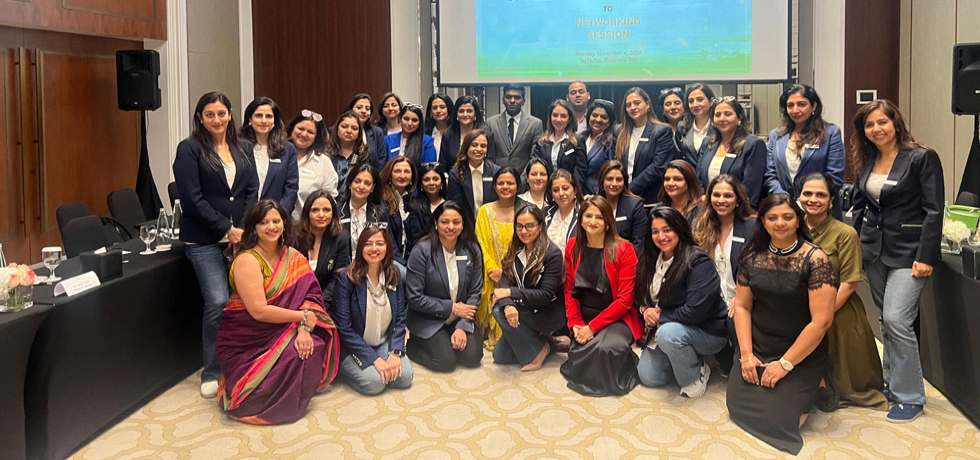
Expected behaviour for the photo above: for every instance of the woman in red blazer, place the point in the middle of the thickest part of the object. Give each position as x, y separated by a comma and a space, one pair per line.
600, 267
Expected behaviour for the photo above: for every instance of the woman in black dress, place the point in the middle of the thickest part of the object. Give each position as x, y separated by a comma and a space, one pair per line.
784, 304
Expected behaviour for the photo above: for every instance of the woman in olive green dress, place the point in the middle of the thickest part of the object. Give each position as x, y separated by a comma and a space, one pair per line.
857, 375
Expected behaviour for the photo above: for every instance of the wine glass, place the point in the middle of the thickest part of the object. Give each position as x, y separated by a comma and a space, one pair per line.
51, 255
148, 233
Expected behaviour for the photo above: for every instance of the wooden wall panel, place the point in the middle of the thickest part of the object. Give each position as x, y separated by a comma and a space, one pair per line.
132, 19
313, 54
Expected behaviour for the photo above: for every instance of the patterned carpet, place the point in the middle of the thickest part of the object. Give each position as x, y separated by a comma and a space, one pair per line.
498, 412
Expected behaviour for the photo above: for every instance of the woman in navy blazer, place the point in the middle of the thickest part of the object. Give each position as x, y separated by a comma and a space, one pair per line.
472, 155
804, 144
697, 103
599, 142
323, 241
631, 217
645, 145
898, 213
559, 146
732, 150
275, 157
561, 218
362, 192
216, 178
440, 315
468, 117
418, 145
373, 136
370, 313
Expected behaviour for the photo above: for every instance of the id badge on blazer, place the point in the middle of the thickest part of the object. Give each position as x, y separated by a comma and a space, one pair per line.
487, 179
644, 139
621, 218
569, 151
730, 155
811, 146
345, 221
275, 160
738, 239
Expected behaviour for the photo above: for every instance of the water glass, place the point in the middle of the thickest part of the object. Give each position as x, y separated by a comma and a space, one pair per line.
148, 233
51, 255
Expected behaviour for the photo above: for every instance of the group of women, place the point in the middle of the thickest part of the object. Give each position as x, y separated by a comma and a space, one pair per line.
431, 254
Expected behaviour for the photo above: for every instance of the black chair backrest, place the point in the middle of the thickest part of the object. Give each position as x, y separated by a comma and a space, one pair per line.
968, 199
124, 206
67, 212
174, 194
85, 233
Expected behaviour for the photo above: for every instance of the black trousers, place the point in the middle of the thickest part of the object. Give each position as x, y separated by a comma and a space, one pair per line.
437, 353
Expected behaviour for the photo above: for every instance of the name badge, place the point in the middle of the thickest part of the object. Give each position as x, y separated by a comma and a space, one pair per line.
891, 182
811, 146
738, 239
461, 258
345, 221
621, 218
730, 155
569, 151
487, 179
275, 160
395, 149
644, 139
76, 284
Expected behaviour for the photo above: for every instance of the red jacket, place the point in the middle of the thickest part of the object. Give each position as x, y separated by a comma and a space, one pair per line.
621, 272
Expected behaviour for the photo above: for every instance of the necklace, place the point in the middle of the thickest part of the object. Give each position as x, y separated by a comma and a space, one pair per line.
379, 293
784, 251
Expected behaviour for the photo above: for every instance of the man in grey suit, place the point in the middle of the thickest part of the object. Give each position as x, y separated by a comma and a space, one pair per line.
515, 132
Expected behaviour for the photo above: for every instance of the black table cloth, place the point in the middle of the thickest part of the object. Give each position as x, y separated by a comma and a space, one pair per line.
17, 332
102, 354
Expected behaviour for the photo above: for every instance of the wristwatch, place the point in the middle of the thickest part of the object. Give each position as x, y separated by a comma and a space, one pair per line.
787, 366
398, 353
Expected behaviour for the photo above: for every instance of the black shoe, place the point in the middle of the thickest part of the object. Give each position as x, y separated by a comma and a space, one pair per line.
725, 358
828, 397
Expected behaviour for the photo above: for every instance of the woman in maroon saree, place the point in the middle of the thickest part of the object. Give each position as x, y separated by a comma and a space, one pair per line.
276, 344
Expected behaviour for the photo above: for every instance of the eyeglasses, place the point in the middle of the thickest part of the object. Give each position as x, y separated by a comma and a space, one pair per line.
307, 113
675, 89
528, 227
719, 100
601, 101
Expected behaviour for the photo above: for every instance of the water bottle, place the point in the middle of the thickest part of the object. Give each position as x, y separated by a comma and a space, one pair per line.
163, 231
175, 221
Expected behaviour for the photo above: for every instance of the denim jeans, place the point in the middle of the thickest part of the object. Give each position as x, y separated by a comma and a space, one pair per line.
211, 269
367, 381
896, 294
678, 354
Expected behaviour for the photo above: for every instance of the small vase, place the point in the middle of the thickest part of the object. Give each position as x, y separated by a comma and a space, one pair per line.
17, 298
955, 247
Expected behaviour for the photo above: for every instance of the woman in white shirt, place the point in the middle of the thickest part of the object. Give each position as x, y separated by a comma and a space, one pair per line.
697, 122
558, 145
275, 157
439, 117
316, 172
369, 308
397, 186
561, 218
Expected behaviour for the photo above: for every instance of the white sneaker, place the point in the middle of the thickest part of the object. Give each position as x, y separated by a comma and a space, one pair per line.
209, 389
696, 388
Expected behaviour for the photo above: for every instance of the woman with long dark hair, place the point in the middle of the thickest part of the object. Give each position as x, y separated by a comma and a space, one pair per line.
372, 136
784, 304
645, 145
410, 141
398, 180
561, 217
388, 116
731, 149
370, 314
898, 213
275, 157
599, 141
681, 189
526, 302
216, 176
316, 171
536, 191
599, 271
471, 178
468, 116
723, 228
680, 303
803, 144
439, 117
346, 146
444, 281
273, 322
672, 106
628, 211
363, 207
697, 122
558, 145
432, 193
321, 238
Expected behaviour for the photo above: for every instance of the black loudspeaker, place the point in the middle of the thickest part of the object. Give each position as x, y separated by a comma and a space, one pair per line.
966, 79
137, 79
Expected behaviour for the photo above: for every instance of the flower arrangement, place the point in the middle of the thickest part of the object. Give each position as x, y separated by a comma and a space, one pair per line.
956, 231
16, 287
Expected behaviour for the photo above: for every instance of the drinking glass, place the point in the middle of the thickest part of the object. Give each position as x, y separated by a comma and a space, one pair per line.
51, 255
148, 233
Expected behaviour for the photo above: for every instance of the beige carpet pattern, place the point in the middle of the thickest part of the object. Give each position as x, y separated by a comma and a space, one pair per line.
497, 412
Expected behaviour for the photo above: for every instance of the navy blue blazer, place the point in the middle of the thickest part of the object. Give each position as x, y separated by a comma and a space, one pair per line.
748, 166
827, 157
378, 150
655, 150
552, 211
544, 297
333, 256
461, 188
697, 300
394, 142
594, 159
450, 147
419, 222
350, 314
686, 144
376, 213
911, 229
209, 205
571, 158
282, 180
427, 287
741, 234
632, 221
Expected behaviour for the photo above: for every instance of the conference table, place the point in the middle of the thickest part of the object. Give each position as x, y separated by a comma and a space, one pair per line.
102, 354
17, 332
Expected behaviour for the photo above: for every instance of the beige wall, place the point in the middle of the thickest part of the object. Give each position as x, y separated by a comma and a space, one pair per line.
213, 51
930, 28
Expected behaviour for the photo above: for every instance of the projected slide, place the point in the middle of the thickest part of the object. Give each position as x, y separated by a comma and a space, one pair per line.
639, 38
487, 41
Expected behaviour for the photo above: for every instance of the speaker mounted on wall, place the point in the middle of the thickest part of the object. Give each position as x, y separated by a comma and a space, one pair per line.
138, 79
966, 79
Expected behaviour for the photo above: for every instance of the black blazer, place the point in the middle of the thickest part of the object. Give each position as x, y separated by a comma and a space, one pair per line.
686, 144
282, 180
552, 211
427, 288
655, 150
594, 158
906, 224
209, 205
544, 298
419, 221
449, 148
350, 314
334, 255
632, 221
748, 166
571, 158
461, 188
376, 213
378, 149
741, 234
697, 300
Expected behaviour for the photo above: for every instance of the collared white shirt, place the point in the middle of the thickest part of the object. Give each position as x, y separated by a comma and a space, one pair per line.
358, 220
714, 168
437, 140
526, 196
230, 170
558, 229
452, 272
315, 172
517, 124
261, 153
401, 145
723, 257
700, 134
432, 207
377, 315
658, 277
634, 143
556, 149
589, 142
477, 184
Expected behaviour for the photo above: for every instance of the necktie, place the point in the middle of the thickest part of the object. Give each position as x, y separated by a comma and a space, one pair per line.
510, 129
